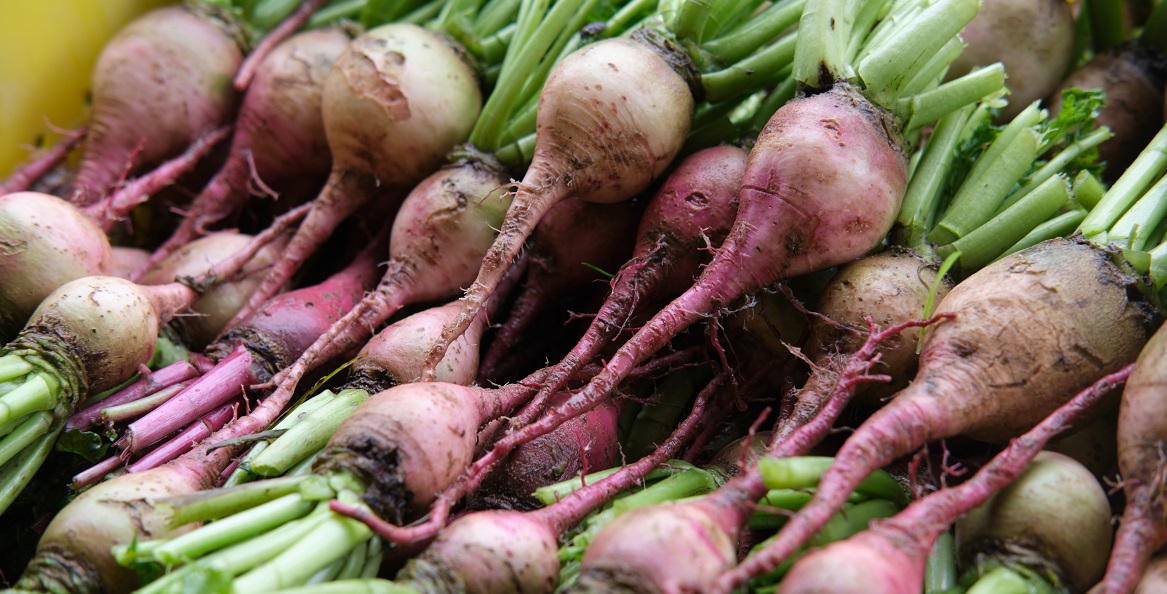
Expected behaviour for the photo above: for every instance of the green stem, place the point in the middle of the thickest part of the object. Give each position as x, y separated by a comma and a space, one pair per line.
741, 41
1060, 226
695, 481
1147, 167
992, 177
852, 520
360, 586
566, 43
33, 428
655, 421
326, 543
331, 13
537, 30
244, 556
355, 562
494, 17
1002, 580
518, 152
691, 20
929, 76
36, 394
549, 494
1133, 228
925, 108
822, 45
886, 68
1060, 162
307, 436
866, 17
219, 503
921, 201
16, 474
761, 70
940, 572
233, 529
1106, 28
12, 367
804, 472
11, 424
991, 239
1088, 191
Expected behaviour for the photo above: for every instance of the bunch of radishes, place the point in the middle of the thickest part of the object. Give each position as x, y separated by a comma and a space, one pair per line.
594, 295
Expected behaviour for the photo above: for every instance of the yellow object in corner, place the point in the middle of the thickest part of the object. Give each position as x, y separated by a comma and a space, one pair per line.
47, 52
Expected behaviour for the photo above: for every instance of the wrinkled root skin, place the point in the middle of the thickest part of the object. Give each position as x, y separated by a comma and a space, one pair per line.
1030, 331
891, 287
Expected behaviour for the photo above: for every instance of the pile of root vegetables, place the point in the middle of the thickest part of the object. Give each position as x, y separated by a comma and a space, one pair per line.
655, 296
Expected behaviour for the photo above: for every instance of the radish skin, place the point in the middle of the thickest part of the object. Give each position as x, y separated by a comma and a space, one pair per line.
279, 133
394, 105
981, 375
47, 243
611, 117
161, 83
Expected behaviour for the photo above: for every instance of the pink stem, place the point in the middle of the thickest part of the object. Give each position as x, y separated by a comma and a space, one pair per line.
95, 473
28, 174
144, 386
183, 442
144, 405
282, 31
118, 205
211, 390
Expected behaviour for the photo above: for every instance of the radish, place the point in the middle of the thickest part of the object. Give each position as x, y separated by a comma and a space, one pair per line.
1033, 38
782, 239
437, 239
254, 61
695, 205
509, 551
89, 335
394, 104
279, 133
1155, 578
1142, 529
47, 243
219, 303
30, 173
984, 361
890, 556
159, 85
1132, 77
1053, 519
645, 106
126, 260
252, 352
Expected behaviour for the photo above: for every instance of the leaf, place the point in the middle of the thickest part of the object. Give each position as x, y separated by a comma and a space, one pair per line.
86, 444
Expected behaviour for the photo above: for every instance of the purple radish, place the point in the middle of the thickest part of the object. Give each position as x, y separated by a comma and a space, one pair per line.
611, 117
160, 84
279, 133
394, 105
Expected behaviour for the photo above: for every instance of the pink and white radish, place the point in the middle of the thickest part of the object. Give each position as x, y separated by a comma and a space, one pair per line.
159, 85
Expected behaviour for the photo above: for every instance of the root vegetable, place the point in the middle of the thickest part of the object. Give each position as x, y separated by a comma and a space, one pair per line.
279, 133
611, 117
394, 104
1033, 38
981, 375
159, 85
47, 244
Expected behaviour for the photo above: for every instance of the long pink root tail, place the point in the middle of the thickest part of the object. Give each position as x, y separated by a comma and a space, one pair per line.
29, 173
118, 205
1141, 532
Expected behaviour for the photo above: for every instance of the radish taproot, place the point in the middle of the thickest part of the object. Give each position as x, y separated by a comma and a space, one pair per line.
279, 133
183, 62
